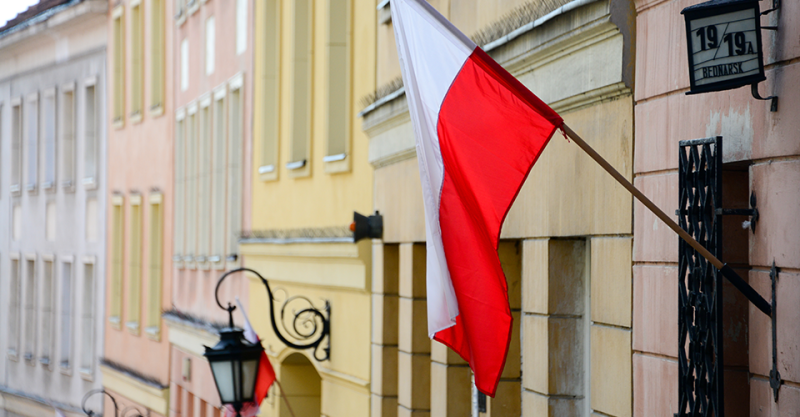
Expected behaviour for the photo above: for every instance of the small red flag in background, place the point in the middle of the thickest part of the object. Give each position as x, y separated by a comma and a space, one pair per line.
266, 374
479, 131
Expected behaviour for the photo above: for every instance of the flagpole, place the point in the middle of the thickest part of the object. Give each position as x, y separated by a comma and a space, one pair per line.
734, 278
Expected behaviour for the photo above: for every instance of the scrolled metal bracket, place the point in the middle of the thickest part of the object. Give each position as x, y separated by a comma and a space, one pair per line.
775, 380
91, 413
773, 107
310, 326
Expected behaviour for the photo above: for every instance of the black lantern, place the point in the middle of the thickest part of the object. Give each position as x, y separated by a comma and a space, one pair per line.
234, 363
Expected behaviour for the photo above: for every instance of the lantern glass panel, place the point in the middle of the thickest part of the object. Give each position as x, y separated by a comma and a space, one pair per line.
249, 371
237, 380
223, 374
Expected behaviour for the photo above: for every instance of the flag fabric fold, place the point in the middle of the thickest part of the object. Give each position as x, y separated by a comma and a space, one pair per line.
479, 131
266, 374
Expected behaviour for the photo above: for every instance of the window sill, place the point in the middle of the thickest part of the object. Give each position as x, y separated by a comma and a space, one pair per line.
29, 359
156, 110
46, 364
336, 164
31, 188
15, 190
153, 333
89, 183
65, 370
48, 186
12, 355
133, 328
118, 123
87, 375
136, 117
268, 173
68, 186
115, 322
299, 169
195, 6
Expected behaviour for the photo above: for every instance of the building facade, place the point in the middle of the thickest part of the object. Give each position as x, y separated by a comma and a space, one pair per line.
135, 366
212, 50
52, 199
314, 60
566, 243
760, 157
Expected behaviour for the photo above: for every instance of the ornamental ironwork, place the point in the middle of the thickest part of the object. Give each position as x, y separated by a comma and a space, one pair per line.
700, 354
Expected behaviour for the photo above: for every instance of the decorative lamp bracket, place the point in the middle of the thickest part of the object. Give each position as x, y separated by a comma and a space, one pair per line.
309, 325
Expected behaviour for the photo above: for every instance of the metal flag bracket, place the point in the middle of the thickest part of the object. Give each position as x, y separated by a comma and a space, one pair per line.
752, 212
774, 376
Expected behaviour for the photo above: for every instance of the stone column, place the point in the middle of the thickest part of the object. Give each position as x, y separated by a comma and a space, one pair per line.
414, 346
554, 329
384, 329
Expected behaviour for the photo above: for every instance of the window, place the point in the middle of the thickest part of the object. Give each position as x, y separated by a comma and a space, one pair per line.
218, 191
204, 185
191, 146
234, 196
135, 266
156, 238
157, 42
87, 319
117, 258
17, 222
137, 64
268, 85
337, 106
241, 26
119, 66
14, 313
47, 312
301, 88
16, 146
67, 132
184, 65
91, 145
65, 339
32, 140
49, 110
30, 308
210, 44
180, 189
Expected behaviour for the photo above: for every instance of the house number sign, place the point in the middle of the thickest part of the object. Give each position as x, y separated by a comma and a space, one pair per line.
724, 44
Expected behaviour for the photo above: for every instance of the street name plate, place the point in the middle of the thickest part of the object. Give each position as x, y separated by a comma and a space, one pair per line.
724, 45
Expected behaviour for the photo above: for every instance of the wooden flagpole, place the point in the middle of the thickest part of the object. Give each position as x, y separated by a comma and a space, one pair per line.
734, 278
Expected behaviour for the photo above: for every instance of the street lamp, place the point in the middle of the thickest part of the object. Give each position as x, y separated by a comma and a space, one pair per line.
234, 364
235, 361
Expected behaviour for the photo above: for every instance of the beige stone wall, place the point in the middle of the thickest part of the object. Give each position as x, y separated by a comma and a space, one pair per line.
566, 247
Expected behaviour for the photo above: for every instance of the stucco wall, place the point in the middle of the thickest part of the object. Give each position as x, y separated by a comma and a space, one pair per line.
765, 146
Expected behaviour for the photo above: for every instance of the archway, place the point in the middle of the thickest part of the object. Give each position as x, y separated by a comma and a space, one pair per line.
301, 385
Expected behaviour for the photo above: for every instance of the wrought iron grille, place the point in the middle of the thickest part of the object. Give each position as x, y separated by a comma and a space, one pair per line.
700, 386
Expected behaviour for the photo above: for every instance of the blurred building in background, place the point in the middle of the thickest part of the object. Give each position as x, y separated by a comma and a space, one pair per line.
212, 50
52, 194
52, 199
314, 60
566, 243
135, 366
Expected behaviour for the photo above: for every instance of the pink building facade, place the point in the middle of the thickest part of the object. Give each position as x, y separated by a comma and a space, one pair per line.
760, 156
136, 364
212, 118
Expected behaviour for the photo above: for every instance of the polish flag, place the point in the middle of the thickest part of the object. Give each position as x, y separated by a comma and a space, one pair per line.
479, 131
266, 374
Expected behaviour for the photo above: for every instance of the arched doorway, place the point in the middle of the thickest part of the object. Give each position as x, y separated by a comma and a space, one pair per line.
301, 385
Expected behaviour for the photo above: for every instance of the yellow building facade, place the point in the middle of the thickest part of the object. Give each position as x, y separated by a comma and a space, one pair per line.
314, 60
567, 241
